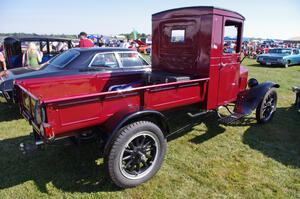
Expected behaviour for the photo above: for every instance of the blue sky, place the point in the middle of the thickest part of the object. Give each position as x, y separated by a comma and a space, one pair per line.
264, 18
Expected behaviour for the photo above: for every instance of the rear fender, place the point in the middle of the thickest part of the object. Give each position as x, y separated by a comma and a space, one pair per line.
119, 120
248, 100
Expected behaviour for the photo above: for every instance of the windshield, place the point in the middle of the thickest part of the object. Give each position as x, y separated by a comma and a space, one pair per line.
280, 51
64, 59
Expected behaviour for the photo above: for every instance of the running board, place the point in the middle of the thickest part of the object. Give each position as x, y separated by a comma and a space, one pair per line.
231, 118
198, 114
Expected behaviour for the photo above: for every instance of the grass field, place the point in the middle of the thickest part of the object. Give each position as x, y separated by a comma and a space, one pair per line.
211, 161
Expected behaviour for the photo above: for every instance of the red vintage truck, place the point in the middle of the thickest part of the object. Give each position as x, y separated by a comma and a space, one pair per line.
191, 66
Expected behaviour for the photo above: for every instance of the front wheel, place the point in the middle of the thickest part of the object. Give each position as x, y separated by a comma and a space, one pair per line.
287, 64
267, 107
136, 154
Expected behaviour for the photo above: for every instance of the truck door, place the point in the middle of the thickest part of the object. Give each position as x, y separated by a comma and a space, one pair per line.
229, 67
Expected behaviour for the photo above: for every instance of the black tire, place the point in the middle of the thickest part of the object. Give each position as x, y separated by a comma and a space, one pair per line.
267, 107
287, 64
136, 154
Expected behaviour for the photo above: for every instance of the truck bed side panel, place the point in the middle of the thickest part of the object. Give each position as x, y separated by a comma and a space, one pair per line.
81, 114
170, 97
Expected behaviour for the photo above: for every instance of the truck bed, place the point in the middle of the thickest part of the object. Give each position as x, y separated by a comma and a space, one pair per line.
67, 114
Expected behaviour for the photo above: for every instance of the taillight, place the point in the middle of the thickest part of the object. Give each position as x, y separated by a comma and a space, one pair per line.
46, 130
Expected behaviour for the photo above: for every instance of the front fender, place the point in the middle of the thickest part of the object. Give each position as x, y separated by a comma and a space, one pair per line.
248, 100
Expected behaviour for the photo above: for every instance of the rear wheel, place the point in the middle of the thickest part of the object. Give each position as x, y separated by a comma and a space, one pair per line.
136, 154
267, 107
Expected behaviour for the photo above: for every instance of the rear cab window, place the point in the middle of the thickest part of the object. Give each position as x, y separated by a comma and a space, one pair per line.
132, 59
178, 36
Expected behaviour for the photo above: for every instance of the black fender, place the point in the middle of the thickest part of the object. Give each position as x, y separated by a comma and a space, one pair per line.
120, 119
248, 100
297, 101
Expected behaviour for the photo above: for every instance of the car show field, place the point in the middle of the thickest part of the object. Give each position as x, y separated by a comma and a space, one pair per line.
243, 160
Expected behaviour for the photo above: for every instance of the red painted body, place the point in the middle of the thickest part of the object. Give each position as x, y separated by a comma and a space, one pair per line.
82, 101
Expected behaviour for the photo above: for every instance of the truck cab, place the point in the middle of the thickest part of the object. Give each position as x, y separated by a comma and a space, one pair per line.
190, 41
192, 66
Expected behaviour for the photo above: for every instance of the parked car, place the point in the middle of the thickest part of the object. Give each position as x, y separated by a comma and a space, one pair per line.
280, 56
142, 47
189, 69
78, 61
50, 46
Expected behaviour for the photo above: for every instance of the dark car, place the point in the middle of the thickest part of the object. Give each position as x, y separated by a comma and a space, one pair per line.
78, 61
50, 46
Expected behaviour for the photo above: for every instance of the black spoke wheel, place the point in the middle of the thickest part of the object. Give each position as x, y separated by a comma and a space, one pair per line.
139, 155
267, 107
136, 154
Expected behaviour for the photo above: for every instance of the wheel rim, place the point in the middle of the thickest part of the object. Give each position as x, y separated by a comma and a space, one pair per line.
269, 106
139, 155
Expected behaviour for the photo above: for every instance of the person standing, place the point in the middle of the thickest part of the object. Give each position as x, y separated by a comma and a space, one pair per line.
84, 41
32, 57
2, 59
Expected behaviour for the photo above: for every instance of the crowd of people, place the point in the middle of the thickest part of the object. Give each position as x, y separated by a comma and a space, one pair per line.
2, 59
32, 56
252, 49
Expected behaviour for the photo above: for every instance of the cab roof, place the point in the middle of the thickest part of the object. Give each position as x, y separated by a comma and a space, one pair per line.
196, 11
35, 38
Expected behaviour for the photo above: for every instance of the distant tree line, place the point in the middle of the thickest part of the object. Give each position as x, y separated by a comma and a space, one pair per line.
34, 34
69, 36
131, 35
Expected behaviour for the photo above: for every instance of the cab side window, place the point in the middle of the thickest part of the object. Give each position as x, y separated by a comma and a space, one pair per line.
295, 52
132, 60
232, 37
107, 60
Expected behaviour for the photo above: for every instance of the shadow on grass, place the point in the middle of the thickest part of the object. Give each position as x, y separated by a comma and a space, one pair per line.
67, 167
80, 169
279, 139
213, 130
9, 112
183, 124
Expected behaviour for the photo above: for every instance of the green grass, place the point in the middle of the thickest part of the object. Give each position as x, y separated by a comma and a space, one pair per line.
211, 161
